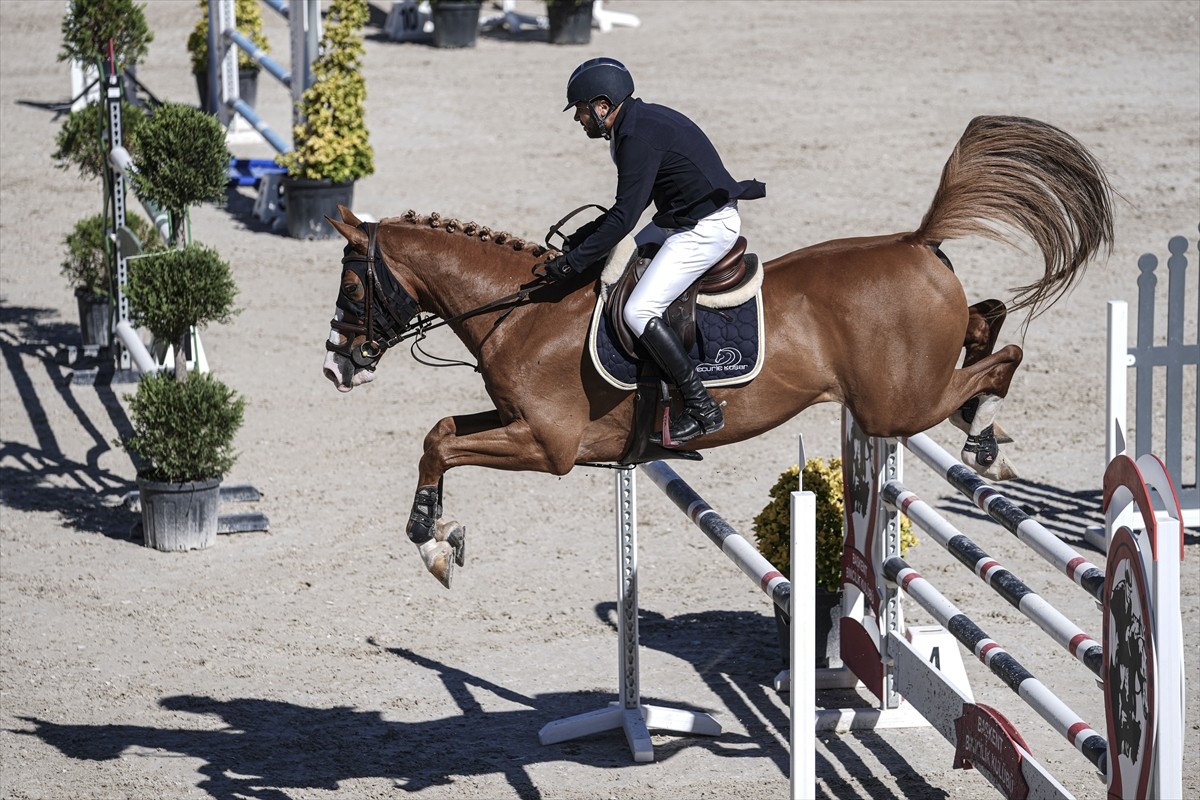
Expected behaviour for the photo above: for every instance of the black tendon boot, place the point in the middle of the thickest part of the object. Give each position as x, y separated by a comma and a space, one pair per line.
701, 414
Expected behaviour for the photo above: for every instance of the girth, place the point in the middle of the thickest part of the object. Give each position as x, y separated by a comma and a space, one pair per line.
727, 273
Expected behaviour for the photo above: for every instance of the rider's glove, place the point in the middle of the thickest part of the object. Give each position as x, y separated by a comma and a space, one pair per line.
559, 269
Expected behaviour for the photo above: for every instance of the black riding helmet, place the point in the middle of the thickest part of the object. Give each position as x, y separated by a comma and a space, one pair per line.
599, 78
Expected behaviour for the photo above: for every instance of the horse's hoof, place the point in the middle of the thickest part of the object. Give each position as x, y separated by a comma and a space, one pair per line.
439, 560
454, 535
1001, 436
1000, 470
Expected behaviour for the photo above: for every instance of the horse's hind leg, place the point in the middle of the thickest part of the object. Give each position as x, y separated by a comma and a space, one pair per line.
984, 321
988, 380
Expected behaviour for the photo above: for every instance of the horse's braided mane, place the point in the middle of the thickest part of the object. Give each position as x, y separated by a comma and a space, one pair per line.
473, 229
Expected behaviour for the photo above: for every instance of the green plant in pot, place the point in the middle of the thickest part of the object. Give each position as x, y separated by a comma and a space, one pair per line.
183, 426
87, 268
249, 23
182, 437
181, 161
82, 141
332, 147
772, 533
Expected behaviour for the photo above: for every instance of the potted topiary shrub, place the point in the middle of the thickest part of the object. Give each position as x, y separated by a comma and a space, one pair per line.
570, 21
87, 269
90, 25
176, 291
82, 141
249, 23
182, 437
181, 161
331, 145
183, 426
772, 531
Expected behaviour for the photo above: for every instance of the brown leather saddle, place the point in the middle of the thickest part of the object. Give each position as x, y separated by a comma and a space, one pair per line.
726, 274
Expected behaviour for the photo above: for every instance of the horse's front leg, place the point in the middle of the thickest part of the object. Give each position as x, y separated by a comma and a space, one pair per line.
441, 544
481, 440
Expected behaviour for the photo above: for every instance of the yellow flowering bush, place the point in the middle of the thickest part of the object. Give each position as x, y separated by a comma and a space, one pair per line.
249, 23
773, 525
332, 143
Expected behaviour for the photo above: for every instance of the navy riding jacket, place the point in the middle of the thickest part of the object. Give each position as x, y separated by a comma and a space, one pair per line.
664, 157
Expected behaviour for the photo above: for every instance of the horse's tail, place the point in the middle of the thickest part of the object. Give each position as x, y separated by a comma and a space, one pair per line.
1033, 177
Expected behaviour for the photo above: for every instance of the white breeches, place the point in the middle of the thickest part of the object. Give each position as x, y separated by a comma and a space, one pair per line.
686, 254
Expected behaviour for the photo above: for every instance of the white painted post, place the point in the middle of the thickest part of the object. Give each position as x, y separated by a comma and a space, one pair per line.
1116, 404
1118, 361
803, 658
605, 19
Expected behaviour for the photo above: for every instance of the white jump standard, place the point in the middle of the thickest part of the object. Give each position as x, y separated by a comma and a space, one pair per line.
629, 712
1139, 661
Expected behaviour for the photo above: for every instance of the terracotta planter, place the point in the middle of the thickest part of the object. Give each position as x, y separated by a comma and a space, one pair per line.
177, 517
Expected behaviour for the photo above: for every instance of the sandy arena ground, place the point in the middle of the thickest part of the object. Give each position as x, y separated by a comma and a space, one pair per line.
319, 659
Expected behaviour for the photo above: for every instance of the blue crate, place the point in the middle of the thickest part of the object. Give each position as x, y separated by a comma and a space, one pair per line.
248, 171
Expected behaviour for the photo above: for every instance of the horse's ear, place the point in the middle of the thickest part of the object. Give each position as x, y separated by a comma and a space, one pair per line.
353, 235
348, 216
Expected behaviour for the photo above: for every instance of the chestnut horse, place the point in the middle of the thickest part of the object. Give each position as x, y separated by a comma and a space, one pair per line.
875, 323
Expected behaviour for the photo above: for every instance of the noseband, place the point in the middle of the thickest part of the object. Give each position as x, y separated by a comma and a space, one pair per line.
397, 305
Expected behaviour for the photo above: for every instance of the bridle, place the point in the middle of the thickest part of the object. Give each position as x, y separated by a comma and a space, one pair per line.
398, 307
401, 316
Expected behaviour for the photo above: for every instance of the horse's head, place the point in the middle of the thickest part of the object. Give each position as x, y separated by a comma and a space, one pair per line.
373, 308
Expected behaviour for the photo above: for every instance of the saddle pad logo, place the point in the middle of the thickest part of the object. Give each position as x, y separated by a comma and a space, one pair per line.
728, 358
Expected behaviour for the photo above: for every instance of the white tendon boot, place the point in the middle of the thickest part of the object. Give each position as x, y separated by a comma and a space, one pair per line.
982, 452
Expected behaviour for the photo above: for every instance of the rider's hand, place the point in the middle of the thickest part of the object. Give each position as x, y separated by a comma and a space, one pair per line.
559, 269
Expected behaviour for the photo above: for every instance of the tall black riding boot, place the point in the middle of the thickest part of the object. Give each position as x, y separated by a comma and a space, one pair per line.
701, 414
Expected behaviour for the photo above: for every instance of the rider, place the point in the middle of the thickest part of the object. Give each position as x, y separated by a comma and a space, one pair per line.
664, 157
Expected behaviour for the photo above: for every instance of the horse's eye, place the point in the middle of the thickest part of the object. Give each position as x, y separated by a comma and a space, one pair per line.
351, 286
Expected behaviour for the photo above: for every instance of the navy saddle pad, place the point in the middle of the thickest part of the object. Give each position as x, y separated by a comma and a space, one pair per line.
728, 349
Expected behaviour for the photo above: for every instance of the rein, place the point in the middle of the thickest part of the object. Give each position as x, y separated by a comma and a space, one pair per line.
409, 322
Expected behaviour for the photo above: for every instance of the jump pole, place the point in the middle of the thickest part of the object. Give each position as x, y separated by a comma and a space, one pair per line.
799, 609
635, 717
1141, 656
224, 42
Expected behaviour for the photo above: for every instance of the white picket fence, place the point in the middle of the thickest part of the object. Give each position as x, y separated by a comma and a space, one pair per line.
1171, 367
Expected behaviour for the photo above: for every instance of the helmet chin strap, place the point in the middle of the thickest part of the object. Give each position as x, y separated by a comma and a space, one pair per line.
605, 133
